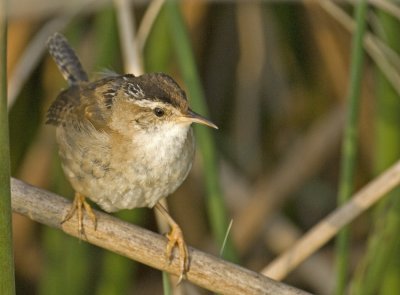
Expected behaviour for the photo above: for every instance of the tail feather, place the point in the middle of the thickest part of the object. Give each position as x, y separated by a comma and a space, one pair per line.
66, 59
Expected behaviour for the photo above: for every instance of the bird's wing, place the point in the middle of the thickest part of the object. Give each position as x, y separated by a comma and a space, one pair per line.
86, 101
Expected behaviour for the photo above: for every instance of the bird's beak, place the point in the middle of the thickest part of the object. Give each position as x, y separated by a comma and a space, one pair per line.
196, 118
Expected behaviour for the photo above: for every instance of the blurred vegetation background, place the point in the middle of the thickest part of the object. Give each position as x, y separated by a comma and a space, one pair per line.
274, 76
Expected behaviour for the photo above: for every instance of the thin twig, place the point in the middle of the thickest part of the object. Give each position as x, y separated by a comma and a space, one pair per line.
329, 226
317, 272
147, 23
126, 25
142, 245
387, 6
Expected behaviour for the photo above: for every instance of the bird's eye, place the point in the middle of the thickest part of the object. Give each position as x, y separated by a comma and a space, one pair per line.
159, 112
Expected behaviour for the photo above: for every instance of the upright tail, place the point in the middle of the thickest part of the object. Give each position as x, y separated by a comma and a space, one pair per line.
66, 59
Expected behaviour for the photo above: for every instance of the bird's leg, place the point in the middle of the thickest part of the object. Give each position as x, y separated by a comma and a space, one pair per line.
78, 206
175, 239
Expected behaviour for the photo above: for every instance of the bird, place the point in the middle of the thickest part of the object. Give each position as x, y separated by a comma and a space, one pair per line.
124, 141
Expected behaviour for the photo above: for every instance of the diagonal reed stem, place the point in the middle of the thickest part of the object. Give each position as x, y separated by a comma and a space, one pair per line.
328, 227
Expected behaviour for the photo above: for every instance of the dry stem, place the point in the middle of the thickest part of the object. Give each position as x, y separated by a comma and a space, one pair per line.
329, 226
142, 245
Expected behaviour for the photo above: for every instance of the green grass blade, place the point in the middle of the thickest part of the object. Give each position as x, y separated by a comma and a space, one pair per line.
7, 280
106, 40
216, 207
167, 288
158, 48
379, 271
349, 145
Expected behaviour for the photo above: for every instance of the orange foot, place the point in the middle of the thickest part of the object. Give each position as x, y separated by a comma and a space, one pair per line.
175, 239
78, 206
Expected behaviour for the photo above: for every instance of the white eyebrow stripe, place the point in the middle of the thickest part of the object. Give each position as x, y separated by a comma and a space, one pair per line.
147, 103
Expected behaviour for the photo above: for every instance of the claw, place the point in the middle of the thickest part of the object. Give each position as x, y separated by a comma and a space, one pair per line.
78, 206
175, 239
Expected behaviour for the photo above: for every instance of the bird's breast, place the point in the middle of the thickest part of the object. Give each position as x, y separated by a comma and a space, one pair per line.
125, 173
148, 169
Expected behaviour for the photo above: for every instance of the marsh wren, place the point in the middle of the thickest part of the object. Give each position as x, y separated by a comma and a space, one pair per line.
124, 141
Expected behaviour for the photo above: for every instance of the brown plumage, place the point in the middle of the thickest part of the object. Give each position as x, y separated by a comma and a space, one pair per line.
124, 141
